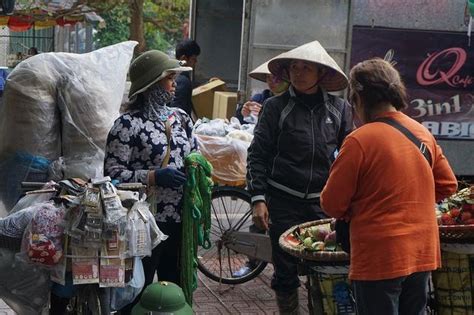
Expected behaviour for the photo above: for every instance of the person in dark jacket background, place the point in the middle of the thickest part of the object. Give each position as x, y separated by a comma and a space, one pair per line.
295, 142
276, 86
186, 51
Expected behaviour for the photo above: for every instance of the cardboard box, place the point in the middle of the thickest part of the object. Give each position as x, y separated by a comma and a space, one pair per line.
225, 104
203, 97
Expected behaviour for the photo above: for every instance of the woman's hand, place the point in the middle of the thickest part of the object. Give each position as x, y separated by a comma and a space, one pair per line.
168, 177
251, 107
260, 215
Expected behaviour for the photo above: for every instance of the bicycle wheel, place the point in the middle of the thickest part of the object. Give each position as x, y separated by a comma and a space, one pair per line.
230, 210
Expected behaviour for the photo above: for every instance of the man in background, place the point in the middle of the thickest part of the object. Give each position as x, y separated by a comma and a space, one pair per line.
187, 51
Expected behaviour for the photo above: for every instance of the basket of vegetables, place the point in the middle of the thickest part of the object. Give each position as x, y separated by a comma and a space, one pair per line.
456, 217
315, 241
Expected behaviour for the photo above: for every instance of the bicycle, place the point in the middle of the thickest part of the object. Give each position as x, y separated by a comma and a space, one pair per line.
232, 243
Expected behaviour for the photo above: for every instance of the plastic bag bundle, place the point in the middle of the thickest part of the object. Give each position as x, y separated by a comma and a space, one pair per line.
63, 104
42, 240
143, 233
228, 157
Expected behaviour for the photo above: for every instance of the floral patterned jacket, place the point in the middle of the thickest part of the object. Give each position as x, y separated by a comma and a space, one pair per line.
137, 144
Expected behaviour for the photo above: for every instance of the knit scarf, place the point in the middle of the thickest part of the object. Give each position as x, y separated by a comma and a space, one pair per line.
155, 103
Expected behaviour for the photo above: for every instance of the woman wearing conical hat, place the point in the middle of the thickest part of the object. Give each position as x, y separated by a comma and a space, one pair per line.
295, 142
249, 111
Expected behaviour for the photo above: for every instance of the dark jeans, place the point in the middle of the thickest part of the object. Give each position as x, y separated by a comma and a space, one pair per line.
285, 213
164, 261
404, 295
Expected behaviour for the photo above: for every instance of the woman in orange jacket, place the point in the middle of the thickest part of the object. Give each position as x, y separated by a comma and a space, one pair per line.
384, 185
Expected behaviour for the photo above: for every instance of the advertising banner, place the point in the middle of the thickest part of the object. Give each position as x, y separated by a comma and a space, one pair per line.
438, 70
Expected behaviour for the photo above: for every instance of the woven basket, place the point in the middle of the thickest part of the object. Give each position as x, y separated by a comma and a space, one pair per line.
457, 233
321, 256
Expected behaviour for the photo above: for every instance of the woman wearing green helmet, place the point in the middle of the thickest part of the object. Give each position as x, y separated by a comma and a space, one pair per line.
148, 144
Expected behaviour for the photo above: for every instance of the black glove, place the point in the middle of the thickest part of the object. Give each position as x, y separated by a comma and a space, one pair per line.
169, 177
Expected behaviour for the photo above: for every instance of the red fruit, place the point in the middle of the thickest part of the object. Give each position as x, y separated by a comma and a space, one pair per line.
446, 219
292, 240
455, 212
465, 216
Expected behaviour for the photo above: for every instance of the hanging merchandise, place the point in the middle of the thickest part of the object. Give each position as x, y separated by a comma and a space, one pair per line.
85, 265
42, 240
84, 235
196, 219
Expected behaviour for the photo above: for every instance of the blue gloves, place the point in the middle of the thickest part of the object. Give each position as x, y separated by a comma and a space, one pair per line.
169, 177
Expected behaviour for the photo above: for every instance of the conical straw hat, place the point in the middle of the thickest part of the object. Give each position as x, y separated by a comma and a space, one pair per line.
260, 73
334, 80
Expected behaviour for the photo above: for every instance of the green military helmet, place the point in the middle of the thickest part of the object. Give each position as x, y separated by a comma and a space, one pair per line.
149, 68
162, 298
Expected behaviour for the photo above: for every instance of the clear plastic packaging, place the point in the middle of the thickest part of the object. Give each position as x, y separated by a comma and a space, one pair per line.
43, 238
14, 225
228, 157
120, 297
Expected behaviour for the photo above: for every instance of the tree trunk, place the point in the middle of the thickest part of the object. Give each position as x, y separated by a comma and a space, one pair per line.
136, 24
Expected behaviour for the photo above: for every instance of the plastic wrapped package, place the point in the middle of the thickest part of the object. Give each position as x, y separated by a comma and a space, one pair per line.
228, 157
63, 104
143, 233
14, 225
43, 237
35, 198
216, 127
240, 135
25, 288
120, 297
16, 168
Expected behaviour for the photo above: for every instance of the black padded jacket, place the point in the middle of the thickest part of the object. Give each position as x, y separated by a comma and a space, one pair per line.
295, 144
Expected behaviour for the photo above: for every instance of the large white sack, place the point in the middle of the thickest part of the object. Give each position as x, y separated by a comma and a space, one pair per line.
60, 104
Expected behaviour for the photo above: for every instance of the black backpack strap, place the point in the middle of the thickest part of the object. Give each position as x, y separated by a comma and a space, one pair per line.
420, 145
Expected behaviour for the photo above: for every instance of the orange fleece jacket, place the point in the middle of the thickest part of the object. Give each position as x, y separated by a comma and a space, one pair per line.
382, 182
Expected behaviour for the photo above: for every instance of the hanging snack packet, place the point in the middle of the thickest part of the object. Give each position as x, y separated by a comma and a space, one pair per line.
112, 266
139, 240
85, 265
107, 190
91, 197
113, 209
